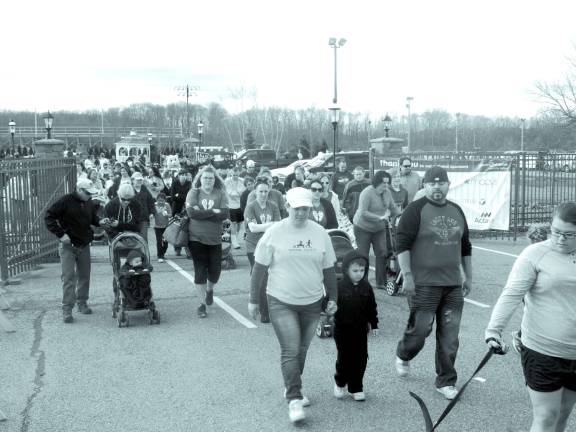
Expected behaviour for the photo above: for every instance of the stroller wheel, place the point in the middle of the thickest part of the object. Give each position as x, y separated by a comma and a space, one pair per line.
123, 319
391, 287
154, 316
320, 330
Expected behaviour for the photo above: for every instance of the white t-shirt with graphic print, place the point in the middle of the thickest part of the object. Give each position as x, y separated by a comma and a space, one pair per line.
296, 258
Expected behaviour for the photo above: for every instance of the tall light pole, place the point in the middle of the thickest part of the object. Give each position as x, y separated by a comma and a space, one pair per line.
12, 127
335, 118
200, 132
187, 91
334, 43
387, 123
457, 124
522, 121
408, 100
48, 119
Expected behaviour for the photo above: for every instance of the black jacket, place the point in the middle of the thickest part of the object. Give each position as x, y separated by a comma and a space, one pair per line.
356, 303
73, 216
146, 200
178, 193
128, 219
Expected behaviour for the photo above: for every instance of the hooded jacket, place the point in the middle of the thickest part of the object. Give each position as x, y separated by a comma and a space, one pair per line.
356, 303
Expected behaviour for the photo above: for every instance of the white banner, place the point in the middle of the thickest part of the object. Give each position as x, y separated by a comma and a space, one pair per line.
484, 197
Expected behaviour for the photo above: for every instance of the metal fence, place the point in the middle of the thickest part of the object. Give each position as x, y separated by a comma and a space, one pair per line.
27, 189
540, 181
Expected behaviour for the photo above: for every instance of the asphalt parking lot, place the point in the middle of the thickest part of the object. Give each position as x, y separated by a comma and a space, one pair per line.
222, 373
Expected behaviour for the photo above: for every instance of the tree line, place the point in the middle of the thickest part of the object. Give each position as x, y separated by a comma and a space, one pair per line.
288, 130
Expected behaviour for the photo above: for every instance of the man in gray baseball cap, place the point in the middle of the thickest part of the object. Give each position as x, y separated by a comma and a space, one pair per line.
70, 219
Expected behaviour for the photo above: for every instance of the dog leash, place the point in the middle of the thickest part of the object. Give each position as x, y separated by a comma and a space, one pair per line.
430, 427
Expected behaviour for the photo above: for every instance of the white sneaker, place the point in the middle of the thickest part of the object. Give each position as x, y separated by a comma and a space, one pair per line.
296, 411
160, 260
359, 396
339, 392
449, 392
402, 367
305, 400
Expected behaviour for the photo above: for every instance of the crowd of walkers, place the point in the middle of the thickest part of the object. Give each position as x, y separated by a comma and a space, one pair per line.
284, 230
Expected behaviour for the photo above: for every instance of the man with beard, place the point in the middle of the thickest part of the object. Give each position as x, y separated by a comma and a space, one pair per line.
433, 246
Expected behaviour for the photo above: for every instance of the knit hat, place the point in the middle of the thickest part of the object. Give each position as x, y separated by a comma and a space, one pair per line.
435, 174
126, 191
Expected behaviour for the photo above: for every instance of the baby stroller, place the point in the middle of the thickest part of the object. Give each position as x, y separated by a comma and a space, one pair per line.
128, 295
342, 245
228, 262
393, 273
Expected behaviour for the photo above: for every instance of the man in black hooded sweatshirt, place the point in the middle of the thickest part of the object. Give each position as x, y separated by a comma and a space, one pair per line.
357, 314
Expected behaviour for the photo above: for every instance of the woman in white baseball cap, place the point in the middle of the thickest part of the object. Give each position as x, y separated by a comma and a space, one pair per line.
298, 255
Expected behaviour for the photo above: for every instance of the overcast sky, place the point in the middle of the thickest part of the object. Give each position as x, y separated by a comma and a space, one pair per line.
474, 57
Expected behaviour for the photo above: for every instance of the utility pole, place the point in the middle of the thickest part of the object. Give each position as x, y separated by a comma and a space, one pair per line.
188, 91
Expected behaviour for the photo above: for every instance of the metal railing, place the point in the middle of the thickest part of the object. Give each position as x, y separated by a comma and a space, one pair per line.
60, 131
28, 187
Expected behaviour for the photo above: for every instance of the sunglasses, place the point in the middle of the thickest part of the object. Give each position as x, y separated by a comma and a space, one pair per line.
125, 199
325, 182
406, 166
564, 235
316, 189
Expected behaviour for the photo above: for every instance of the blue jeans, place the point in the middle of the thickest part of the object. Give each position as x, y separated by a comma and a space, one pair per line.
443, 304
295, 326
75, 274
378, 241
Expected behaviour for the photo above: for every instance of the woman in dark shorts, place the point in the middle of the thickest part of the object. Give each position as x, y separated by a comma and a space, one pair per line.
234, 188
207, 207
544, 274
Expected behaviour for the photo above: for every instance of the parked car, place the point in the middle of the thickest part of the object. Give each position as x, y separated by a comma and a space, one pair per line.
263, 157
324, 162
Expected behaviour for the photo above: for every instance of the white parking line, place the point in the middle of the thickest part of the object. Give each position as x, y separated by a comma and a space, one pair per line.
233, 313
479, 379
474, 302
495, 251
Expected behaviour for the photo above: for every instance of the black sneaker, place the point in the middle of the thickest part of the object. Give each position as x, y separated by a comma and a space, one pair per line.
209, 297
67, 316
83, 308
202, 311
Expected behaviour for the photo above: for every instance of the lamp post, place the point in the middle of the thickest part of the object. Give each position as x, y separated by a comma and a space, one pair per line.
12, 127
387, 122
334, 43
409, 99
335, 117
200, 132
457, 124
522, 121
48, 119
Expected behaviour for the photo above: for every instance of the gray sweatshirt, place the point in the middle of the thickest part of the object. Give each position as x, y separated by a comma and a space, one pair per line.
546, 279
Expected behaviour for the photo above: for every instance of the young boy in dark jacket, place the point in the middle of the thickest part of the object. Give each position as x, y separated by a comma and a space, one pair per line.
356, 315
